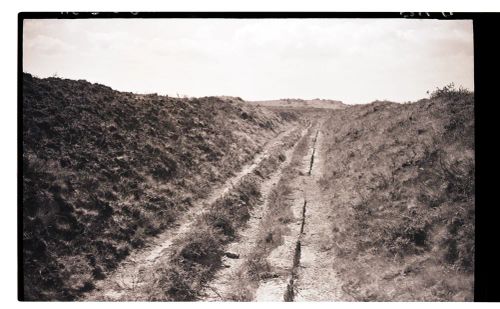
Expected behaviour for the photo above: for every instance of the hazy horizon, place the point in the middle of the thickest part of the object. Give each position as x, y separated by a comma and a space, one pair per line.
351, 60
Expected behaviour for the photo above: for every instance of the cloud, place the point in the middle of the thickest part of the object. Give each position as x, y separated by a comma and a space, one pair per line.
355, 60
49, 45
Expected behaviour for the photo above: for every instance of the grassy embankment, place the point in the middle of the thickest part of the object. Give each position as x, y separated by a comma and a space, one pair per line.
401, 183
104, 170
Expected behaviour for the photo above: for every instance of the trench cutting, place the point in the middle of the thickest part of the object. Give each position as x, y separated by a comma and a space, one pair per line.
303, 217
314, 152
289, 295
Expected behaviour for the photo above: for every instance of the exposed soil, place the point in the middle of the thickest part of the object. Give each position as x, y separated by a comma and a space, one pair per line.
286, 258
308, 271
316, 278
298, 268
221, 287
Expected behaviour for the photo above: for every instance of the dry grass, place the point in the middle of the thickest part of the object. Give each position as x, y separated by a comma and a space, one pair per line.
401, 181
105, 170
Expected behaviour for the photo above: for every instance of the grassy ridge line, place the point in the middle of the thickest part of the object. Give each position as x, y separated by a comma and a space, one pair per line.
105, 170
199, 252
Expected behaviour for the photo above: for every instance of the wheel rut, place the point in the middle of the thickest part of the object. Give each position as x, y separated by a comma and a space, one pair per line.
135, 270
310, 273
298, 265
313, 276
289, 295
221, 287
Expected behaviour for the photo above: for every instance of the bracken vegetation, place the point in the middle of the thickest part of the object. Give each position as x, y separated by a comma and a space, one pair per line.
105, 170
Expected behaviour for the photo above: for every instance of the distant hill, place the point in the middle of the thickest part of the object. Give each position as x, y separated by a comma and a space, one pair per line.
315, 103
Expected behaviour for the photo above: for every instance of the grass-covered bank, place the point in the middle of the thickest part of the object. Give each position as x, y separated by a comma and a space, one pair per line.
401, 183
105, 170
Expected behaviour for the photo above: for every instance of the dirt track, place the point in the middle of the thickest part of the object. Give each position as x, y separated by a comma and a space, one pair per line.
136, 271
300, 270
222, 284
311, 276
297, 263
315, 278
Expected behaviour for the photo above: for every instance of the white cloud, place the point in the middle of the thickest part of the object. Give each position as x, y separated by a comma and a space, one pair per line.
352, 60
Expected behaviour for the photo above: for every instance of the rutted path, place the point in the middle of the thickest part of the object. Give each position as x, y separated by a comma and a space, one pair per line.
300, 267
286, 257
221, 288
133, 271
311, 273
313, 277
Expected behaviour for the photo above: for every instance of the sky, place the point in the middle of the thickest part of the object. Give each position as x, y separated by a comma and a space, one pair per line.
352, 60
